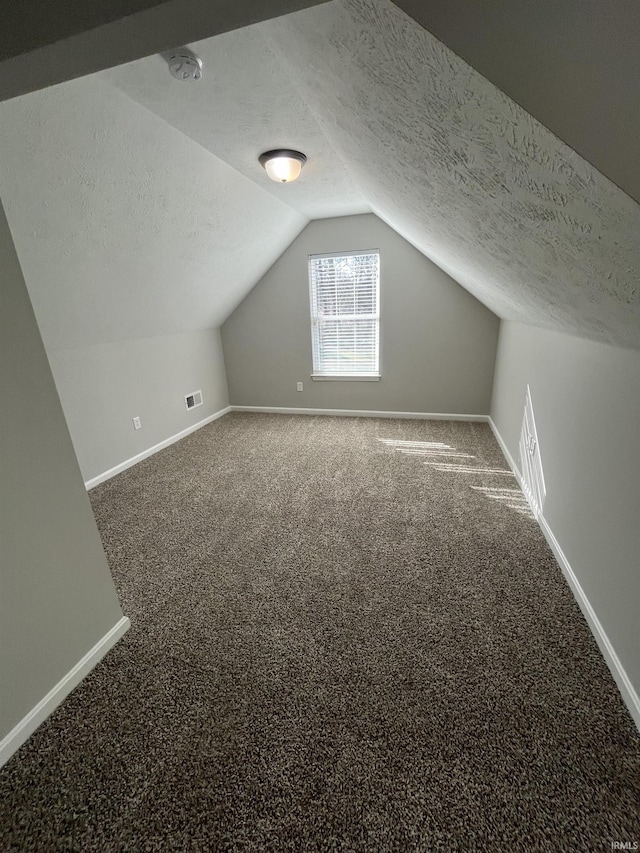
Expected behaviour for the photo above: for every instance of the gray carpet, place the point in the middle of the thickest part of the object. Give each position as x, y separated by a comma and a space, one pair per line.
347, 635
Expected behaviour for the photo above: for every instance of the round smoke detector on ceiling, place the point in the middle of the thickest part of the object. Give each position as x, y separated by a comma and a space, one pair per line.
185, 65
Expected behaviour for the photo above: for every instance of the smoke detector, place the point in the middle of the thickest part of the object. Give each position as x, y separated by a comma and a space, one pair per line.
184, 64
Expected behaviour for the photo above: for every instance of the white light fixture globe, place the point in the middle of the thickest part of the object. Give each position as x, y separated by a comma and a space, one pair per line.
282, 164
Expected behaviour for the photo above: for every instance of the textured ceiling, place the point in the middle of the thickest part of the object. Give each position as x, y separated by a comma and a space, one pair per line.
466, 175
573, 64
246, 103
124, 227
138, 206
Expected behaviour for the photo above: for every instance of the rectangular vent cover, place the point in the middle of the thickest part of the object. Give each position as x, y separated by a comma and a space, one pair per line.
193, 400
530, 460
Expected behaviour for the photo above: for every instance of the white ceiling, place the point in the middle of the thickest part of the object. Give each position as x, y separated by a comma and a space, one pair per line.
247, 102
138, 206
126, 228
465, 174
574, 65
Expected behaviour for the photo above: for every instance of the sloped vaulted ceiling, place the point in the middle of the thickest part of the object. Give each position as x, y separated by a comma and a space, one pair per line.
466, 175
247, 102
139, 218
124, 227
138, 206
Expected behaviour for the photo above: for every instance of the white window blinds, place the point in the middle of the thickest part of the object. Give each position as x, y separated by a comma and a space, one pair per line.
345, 313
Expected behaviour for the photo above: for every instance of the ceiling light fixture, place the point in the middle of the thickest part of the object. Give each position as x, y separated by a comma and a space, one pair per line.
282, 164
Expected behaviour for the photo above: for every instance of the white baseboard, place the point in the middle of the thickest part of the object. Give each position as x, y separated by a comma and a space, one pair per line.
357, 413
510, 460
106, 475
27, 726
629, 694
626, 688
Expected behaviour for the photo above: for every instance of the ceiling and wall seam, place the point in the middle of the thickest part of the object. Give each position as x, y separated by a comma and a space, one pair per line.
573, 65
115, 209
554, 133
290, 72
191, 139
125, 228
467, 176
246, 103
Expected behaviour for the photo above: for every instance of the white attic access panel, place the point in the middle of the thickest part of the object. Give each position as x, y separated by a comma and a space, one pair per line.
531, 460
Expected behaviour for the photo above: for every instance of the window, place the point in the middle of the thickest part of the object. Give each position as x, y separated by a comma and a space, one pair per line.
345, 314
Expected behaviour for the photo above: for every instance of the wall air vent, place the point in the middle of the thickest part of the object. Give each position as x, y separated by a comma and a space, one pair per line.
530, 460
192, 400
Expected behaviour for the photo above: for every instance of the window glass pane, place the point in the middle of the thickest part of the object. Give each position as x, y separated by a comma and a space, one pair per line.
344, 293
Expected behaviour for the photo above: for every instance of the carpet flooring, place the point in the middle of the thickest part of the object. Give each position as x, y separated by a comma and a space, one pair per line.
347, 635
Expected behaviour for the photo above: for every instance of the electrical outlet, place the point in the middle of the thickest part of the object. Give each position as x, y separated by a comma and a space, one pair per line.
136, 423
298, 386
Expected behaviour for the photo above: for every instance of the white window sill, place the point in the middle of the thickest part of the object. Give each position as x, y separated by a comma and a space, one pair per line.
337, 377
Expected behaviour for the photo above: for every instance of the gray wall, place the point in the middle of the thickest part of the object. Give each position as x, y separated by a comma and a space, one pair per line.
57, 597
102, 388
586, 399
437, 343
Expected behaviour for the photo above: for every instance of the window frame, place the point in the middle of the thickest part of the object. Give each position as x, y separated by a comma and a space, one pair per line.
326, 376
